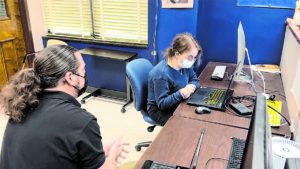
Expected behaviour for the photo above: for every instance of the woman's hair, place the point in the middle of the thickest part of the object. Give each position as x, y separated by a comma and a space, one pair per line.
21, 95
181, 43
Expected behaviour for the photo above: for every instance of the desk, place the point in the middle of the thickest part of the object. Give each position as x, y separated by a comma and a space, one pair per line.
178, 139
273, 86
111, 54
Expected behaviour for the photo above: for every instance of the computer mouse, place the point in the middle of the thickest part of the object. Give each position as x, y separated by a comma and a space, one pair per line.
202, 110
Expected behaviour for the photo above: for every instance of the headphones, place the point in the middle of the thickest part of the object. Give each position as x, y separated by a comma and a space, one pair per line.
272, 97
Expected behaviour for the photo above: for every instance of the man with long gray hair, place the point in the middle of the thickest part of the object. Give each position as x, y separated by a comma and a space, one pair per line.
47, 128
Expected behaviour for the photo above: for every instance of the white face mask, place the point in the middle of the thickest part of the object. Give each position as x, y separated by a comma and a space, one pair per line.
186, 64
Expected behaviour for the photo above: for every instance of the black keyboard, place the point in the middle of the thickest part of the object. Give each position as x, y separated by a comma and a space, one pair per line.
159, 165
236, 154
149, 164
215, 97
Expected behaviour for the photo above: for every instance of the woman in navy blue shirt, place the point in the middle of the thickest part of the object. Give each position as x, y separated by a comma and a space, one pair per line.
173, 79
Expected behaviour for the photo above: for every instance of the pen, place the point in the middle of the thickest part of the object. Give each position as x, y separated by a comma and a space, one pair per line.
196, 155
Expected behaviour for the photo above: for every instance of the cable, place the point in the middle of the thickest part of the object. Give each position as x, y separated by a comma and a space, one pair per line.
253, 85
227, 76
154, 52
251, 80
288, 122
262, 79
226, 106
250, 98
283, 124
270, 92
206, 164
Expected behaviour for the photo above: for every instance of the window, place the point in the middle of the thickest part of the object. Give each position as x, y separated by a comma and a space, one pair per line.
3, 13
103, 20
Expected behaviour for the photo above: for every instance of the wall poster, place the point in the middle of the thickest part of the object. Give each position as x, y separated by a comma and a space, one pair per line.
177, 3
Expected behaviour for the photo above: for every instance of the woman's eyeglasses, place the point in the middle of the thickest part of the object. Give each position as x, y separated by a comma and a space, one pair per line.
191, 57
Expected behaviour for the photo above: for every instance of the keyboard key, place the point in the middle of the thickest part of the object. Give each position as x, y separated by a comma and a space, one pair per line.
236, 154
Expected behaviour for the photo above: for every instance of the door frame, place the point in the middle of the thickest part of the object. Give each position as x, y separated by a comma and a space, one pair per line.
27, 33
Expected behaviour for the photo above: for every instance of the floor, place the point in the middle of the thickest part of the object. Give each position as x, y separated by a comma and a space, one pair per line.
113, 124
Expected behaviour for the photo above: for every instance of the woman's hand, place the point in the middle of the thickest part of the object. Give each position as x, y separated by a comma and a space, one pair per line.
187, 90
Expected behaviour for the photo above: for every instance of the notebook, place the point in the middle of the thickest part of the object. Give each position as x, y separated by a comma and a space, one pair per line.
214, 98
274, 117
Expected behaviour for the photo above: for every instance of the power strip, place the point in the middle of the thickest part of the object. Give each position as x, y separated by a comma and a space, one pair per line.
240, 108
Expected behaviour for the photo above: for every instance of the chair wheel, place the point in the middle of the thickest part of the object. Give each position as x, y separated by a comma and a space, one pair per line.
123, 110
150, 129
137, 148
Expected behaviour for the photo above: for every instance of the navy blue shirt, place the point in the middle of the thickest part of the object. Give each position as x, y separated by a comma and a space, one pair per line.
164, 84
58, 134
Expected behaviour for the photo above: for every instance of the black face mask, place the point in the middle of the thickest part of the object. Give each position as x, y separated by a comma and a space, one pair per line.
83, 89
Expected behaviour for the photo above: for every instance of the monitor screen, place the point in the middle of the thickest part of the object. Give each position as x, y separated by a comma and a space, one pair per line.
258, 150
241, 45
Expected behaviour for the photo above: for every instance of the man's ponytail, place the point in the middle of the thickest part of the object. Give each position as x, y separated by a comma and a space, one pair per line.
20, 95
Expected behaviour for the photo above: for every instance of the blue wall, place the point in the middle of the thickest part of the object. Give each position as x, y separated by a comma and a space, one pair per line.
217, 31
172, 22
213, 22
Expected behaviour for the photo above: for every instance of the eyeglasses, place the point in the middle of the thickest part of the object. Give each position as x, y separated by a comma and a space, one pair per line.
79, 75
191, 57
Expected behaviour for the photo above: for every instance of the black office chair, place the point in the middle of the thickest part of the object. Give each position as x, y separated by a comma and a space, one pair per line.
137, 72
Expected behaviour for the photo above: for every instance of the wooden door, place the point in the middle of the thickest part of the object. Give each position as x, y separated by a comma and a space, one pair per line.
12, 45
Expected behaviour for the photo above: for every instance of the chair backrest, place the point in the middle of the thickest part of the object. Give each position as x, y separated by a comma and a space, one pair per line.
55, 42
137, 72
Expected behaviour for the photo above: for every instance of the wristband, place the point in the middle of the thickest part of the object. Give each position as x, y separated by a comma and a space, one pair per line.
182, 94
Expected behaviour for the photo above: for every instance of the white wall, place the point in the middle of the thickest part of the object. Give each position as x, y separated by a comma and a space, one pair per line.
290, 72
37, 23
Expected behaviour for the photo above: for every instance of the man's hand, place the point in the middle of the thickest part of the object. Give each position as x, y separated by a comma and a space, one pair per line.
113, 151
118, 150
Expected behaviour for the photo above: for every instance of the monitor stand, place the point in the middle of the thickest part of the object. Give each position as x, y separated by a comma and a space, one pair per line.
243, 78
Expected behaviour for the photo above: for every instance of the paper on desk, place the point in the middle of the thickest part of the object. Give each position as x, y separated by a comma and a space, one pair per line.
285, 148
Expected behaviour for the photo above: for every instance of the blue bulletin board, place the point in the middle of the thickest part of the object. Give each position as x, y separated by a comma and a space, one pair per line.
289, 4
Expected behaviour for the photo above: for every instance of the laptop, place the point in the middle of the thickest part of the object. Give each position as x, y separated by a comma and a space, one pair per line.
214, 98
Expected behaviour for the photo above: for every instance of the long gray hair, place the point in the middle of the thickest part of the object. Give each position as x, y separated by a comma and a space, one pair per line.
21, 95
52, 63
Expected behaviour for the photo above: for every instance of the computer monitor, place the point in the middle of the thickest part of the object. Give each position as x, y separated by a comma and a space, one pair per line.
241, 48
258, 148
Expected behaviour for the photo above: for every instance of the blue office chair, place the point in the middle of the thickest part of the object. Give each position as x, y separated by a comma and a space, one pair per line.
137, 72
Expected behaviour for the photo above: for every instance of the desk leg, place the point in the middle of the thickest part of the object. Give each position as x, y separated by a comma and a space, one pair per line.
129, 96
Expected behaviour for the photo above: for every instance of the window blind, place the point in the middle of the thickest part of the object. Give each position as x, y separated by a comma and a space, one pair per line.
106, 20
2, 9
68, 17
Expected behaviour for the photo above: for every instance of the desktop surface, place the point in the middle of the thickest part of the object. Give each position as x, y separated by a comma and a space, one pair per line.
273, 85
177, 141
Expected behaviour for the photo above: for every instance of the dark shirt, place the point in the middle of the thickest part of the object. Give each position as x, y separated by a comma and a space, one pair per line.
164, 83
58, 134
